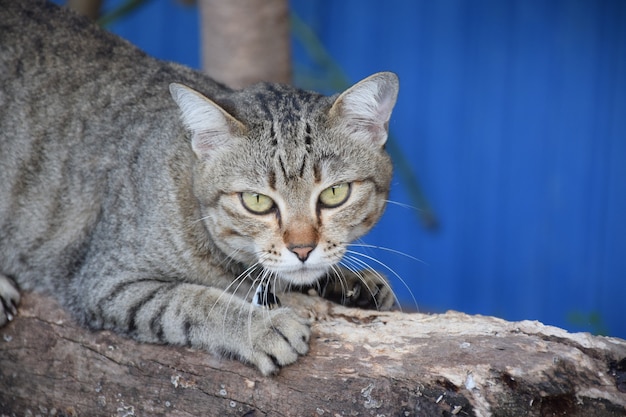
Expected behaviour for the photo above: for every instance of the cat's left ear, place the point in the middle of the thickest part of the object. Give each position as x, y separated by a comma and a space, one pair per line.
363, 111
211, 127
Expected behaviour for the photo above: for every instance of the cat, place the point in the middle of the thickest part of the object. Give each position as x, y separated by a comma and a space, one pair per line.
155, 202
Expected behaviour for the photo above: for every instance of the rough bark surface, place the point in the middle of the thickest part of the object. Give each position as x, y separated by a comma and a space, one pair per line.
361, 363
246, 41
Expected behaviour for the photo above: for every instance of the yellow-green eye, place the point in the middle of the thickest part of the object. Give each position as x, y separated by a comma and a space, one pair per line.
335, 196
257, 203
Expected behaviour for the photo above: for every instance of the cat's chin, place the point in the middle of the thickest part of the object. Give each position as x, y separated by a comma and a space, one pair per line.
305, 275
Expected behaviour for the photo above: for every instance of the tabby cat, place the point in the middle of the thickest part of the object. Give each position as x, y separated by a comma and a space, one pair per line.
155, 202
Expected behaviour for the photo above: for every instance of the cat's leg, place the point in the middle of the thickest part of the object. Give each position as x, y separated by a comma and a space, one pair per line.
365, 289
9, 299
201, 317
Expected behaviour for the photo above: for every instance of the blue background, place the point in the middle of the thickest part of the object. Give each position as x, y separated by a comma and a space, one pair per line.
512, 114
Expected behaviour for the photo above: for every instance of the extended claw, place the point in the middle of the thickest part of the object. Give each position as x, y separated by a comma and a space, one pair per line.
9, 297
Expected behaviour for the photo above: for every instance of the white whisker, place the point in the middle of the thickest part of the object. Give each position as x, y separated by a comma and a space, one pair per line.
230, 258
264, 278
362, 265
371, 258
236, 283
201, 219
342, 281
239, 280
404, 205
397, 252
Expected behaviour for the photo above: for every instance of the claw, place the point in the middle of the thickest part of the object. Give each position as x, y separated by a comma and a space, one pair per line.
356, 291
9, 307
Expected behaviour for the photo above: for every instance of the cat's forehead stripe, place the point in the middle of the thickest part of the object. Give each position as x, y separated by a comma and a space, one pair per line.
281, 163
273, 103
317, 172
271, 179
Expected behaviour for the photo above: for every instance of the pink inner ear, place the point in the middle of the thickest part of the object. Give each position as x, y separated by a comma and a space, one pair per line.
365, 109
206, 143
387, 99
211, 127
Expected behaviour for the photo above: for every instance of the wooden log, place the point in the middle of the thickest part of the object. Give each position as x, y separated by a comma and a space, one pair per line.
361, 363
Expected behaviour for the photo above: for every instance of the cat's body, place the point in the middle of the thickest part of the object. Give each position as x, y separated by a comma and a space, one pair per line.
146, 225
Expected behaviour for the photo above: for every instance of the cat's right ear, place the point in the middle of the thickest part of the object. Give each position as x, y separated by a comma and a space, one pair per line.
211, 127
363, 111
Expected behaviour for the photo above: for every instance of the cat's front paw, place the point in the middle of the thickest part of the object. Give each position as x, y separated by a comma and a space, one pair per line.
9, 299
278, 338
364, 289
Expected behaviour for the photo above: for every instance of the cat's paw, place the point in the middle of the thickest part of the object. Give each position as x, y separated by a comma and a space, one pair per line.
364, 289
9, 299
277, 338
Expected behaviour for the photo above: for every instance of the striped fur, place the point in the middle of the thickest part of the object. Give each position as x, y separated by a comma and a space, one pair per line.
122, 181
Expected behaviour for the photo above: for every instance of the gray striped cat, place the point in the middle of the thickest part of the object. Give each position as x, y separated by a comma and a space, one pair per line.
155, 202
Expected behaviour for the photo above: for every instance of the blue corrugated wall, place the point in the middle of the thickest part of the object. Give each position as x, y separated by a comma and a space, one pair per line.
512, 115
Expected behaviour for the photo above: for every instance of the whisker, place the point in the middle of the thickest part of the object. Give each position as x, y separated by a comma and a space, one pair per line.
230, 258
265, 276
201, 219
275, 281
364, 266
240, 281
232, 289
342, 281
269, 282
352, 252
404, 205
383, 248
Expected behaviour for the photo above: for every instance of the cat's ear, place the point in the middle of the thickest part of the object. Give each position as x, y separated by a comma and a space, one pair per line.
211, 127
363, 111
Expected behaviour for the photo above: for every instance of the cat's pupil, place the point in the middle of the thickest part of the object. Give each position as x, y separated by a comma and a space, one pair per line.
335, 195
256, 203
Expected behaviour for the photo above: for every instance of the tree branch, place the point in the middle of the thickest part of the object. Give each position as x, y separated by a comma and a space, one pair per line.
361, 363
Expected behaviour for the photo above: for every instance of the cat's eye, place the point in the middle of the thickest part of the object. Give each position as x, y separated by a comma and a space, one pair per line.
335, 196
257, 203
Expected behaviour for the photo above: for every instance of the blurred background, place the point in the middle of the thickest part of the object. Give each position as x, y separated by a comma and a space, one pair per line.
509, 139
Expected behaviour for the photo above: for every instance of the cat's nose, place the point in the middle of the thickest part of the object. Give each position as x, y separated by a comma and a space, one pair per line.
302, 251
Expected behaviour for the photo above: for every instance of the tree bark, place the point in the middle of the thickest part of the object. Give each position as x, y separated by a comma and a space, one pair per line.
361, 363
246, 41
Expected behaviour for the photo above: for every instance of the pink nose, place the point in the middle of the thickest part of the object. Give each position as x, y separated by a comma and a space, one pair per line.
302, 251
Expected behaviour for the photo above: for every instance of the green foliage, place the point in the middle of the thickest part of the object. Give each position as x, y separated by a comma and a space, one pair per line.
121, 11
589, 320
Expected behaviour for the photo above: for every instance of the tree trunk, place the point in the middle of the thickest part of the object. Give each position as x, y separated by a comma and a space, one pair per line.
361, 363
246, 41
89, 8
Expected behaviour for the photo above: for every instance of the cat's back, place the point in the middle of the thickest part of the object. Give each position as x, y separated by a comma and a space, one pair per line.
50, 49
74, 99
49, 54
70, 91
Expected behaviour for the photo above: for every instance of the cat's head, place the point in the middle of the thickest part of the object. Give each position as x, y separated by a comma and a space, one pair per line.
286, 178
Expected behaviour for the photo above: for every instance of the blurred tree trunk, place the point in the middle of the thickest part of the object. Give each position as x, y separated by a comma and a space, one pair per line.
89, 8
245, 41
